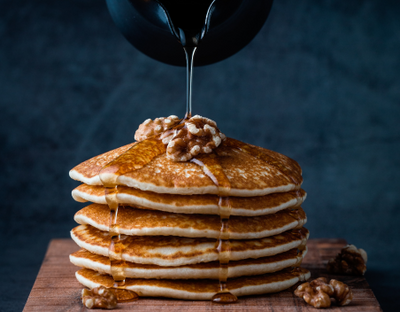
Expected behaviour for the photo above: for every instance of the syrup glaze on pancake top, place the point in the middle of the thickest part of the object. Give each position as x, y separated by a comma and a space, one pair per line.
188, 166
246, 171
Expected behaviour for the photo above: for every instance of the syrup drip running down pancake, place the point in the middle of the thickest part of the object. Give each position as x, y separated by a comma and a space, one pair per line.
203, 289
248, 175
209, 270
203, 204
176, 251
144, 222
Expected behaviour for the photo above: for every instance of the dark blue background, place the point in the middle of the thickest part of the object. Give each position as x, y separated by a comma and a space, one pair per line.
320, 83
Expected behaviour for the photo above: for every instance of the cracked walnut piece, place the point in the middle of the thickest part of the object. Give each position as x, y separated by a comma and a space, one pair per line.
150, 128
199, 135
99, 297
350, 261
185, 139
318, 293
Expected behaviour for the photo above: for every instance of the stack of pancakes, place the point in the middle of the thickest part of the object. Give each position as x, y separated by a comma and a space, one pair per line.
169, 222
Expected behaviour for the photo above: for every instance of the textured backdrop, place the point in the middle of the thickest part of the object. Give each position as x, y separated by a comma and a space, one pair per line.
320, 83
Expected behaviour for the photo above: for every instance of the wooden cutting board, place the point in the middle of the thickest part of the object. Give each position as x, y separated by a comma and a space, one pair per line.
56, 288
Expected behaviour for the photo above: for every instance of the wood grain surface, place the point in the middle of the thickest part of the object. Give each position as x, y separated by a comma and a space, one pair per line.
56, 288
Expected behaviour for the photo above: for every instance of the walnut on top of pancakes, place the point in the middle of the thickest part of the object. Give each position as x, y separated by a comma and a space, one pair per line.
186, 138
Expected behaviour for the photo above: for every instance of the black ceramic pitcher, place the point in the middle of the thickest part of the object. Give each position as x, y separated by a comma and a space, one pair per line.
220, 28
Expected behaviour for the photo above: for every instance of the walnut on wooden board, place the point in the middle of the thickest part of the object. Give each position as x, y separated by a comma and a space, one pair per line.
199, 135
319, 292
150, 128
342, 292
314, 296
350, 261
99, 297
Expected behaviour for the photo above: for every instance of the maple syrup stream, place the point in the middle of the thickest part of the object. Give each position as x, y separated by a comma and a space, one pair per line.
189, 53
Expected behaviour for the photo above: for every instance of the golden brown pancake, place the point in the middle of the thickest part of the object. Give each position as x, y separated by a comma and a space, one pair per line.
204, 204
133, 221
203, 289
209, 270
248, 175
177, 251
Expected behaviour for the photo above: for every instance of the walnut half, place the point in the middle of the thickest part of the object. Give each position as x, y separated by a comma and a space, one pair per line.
184, 139
99, 297
150, 128
350, 261
199, 135
319, 292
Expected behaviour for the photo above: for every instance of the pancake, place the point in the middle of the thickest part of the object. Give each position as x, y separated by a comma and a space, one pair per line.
133, 221
203, 204
203, 289
177, 251
187, 213
247, 175
209, 270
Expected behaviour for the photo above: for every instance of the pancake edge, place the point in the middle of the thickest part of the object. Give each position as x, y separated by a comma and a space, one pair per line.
190, 232
156, 291
191, 272
202, 209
